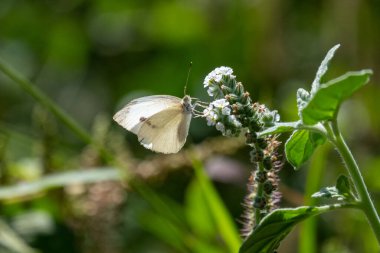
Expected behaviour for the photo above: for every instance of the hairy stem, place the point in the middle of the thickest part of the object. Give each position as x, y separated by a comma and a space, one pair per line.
365, 201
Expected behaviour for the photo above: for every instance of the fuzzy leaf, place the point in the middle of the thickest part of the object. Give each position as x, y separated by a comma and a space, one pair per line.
303, 97
323, 68
276, 226
328, 193
342, 190
325, 102
301, 145
279, 128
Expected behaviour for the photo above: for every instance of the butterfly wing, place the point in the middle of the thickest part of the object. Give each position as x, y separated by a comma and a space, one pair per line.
160, 122
166, 131
132, 116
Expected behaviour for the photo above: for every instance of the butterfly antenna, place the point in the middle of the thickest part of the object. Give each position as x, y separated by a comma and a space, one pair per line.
187, 79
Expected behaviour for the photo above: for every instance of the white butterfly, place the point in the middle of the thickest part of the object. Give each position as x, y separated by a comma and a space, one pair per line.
161, 122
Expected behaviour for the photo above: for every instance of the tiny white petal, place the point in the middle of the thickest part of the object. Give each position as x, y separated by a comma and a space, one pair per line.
277, 117
210, 92
220, 127
226, 111
220, 103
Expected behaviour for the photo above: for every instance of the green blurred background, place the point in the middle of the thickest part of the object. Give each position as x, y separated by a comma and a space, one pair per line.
91, 57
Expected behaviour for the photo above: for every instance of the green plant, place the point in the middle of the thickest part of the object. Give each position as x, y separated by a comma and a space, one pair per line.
232, 112
193, 228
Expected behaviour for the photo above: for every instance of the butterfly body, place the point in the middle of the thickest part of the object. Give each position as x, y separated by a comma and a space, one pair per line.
160, 122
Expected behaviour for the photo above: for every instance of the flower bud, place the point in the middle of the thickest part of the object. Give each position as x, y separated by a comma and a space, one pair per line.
256, 155
262, 143
225, 89
303, 98
260, 176
259, 202
220, 127
245, 98
250, 137
268, 187
269, 118
239, 89
231, 98
267, 162
303, 95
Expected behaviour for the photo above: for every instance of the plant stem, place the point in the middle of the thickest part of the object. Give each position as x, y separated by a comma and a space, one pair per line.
365, 201
258, 214
51, 106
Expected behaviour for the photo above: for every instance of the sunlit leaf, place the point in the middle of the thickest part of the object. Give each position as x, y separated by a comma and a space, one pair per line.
328, 193
342, 190
279, 128
301, 145
324, 104
323, 69
273, 228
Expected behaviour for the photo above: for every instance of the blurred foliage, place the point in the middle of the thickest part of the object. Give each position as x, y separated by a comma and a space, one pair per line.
91, 57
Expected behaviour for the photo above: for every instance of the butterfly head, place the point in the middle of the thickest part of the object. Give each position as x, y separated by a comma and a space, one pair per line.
186, 103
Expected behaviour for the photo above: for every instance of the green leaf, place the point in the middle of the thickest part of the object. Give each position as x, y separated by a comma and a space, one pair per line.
325, 102
323, 69
162, 205
221, 217
279, 128
343, 185
165, 229
328, 193
170, 222
78, 176
303, 96
276, 226
198, 213
186, 230
301, 145
342, 190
